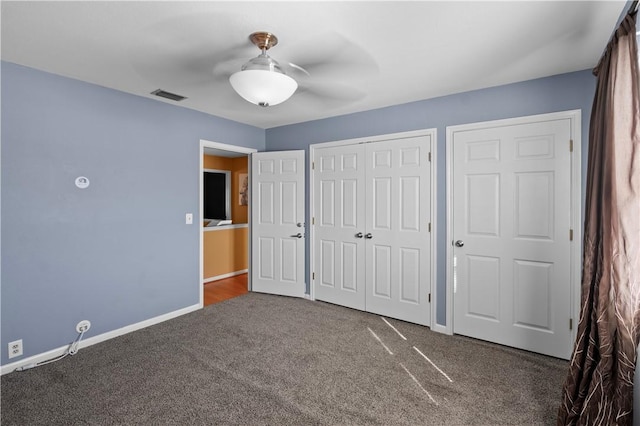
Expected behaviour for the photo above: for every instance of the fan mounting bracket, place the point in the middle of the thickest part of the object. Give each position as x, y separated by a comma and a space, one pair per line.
263, 40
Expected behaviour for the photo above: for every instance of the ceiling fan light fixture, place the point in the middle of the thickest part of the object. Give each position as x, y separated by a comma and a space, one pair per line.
261, 81
264, 88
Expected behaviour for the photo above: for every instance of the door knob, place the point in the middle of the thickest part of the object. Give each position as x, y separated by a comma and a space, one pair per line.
298, 235
299, 225
368, 236
459, 243
359, 235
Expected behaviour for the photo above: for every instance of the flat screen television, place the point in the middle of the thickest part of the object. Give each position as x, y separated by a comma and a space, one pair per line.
216, 194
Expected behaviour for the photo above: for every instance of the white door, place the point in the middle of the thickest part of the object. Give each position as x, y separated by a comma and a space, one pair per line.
339, 225
511, 213
277, 223
372, 216
398, 238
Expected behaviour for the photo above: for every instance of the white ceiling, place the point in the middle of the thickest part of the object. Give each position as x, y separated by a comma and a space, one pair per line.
360, 55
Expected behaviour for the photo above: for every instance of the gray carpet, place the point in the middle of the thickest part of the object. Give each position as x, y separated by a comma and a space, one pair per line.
261, 359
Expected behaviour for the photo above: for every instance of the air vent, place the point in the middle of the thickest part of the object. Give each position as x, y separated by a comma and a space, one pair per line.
168, 95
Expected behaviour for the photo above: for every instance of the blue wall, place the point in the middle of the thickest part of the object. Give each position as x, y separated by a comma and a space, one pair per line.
557, 93
118, 252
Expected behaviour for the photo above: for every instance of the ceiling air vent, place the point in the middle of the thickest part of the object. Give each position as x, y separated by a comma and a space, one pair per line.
168, 95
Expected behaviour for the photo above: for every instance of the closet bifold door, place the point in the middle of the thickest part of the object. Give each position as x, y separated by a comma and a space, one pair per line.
339, 225
372, 242
398, 247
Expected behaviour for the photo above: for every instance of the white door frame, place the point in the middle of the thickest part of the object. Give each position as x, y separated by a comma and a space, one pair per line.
434, 142
224, 147
576, 203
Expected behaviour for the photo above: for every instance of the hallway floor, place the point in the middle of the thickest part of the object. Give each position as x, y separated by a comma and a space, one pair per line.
228, 288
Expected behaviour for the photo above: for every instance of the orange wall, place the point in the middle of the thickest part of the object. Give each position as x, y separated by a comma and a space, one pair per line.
225, 251
237, 166
215, 162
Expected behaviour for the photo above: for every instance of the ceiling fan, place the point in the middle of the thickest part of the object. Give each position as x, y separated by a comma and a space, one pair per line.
324, 74
262, 81
331, 69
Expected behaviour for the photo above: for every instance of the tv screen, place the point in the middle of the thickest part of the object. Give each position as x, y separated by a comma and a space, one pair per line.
215, 195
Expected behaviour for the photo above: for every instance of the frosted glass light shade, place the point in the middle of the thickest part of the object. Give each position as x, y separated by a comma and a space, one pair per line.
262, 87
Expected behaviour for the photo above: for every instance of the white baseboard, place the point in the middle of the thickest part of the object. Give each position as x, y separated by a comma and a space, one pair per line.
223, 276
8, 368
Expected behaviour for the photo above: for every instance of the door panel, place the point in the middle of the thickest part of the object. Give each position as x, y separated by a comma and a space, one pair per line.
484, 288
277, 223
381, 277
409, 277
398, 254
483, 196
532, 292
339, 223
511, 208
266, 260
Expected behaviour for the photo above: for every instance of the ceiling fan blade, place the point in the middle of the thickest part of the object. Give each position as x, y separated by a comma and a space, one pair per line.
224, 69
331, 93
185, 67
295, 71
333, 57
183, 49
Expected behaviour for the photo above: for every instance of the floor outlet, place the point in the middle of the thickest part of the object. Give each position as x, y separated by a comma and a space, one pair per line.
83, 325
15, 348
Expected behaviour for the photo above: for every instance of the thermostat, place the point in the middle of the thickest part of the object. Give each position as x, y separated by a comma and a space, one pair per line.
82, 182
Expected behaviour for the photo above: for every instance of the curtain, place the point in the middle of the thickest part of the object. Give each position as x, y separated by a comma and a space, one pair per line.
599, 387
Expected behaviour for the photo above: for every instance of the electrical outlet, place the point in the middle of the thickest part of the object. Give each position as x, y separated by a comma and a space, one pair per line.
15, 348
83, 325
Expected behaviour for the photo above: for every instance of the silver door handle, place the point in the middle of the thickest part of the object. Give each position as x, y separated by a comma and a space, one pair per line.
359, 235
459, 243
298, 235
368, 236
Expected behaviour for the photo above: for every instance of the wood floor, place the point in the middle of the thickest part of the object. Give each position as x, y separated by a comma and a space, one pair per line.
228, 288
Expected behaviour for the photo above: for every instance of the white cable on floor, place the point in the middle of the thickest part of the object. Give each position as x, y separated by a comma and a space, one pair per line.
73, 349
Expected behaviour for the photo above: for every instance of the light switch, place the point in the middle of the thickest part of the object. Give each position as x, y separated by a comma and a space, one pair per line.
188, 219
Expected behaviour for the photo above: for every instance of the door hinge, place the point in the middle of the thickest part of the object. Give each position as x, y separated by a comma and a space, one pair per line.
313, 275
429, 297
570, 323
429, 157
570, 145
570, 234
313, 165
429, 226
313, 220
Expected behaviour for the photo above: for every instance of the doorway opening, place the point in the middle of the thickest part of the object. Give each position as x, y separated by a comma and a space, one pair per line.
224, 242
